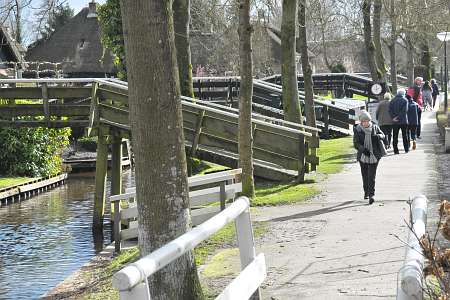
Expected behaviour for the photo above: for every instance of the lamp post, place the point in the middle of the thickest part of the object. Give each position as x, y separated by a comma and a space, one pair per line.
444, 37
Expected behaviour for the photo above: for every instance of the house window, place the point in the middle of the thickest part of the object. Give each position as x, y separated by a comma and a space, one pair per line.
81, 44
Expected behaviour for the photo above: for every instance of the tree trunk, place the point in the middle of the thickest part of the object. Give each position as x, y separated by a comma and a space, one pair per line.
392, 52
245, 102
291, 104
379, 57
181, 14
307, 71
426, 60
157, 129
409, 60
370, 46
18, 34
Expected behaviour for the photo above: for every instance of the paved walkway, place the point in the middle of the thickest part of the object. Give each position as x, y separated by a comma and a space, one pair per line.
338, 247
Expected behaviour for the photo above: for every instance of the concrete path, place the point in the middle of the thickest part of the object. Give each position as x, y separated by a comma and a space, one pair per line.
336, 246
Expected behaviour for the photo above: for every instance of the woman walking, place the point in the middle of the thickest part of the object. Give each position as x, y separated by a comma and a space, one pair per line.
413, 120
368, 140
427, 95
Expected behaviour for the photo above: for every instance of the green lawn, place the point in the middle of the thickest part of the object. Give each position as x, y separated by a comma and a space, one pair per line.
11, 181
333, 154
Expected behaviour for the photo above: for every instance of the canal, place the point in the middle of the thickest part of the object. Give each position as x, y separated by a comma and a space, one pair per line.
46, 238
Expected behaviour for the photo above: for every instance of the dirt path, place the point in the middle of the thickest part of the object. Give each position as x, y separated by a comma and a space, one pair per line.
336, 246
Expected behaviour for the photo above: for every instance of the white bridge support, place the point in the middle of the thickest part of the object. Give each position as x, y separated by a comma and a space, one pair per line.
410, 275
132, 282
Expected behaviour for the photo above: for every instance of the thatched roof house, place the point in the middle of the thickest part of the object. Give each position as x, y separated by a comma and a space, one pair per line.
11, 54
77, 46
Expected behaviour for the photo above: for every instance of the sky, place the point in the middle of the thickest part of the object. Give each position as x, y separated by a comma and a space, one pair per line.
77, 5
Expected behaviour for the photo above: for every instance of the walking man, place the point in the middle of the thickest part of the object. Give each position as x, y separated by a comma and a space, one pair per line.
398, 108
384, 119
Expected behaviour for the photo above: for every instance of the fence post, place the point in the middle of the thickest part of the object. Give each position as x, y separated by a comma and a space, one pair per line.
244, 233
223, 195
301, 158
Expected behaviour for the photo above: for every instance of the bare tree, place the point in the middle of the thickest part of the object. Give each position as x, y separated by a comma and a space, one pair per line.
181, 10
307, 71
291, 104
161, 176
245, 102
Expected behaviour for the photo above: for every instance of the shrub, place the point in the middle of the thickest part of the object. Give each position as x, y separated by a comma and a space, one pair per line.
32, 151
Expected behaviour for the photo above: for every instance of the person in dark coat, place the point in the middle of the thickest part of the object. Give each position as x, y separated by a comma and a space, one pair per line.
435, 91
413, 120
368, 140
384, 119
398, 108
416, 93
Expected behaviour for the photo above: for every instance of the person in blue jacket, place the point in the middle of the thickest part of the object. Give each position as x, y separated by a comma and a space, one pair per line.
398, 108
413, 120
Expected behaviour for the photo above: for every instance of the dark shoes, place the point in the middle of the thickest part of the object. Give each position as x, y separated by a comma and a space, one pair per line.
371, 200
366, 196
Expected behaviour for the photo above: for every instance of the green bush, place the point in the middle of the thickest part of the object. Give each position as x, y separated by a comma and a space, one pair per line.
32, 151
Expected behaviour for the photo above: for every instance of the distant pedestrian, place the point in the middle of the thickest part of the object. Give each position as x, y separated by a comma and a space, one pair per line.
413, 120
398, 108
435, 91
427, 95
368, 140
384, 119
416, 93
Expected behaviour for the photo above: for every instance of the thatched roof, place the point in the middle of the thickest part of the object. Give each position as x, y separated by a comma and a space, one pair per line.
76, 45
11, 50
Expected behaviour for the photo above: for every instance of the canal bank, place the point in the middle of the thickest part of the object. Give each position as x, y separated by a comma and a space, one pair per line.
48, 237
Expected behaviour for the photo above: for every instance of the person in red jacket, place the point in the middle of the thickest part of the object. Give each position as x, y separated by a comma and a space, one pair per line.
415, 92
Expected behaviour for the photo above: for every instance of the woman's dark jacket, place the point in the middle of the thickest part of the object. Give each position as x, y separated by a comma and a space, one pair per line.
358, 140
413, 113
435, 89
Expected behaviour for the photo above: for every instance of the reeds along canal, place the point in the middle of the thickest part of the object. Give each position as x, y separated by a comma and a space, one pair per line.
47, 237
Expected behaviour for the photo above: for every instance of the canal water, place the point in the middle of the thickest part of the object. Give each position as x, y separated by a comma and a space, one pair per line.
46, 238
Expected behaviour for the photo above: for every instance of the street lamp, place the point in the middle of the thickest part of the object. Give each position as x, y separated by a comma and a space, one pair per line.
444, 37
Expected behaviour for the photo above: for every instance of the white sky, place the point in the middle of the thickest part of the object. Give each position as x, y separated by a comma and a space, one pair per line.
77, 5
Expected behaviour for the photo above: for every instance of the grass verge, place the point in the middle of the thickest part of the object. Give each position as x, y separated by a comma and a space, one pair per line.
334, 154
11, 181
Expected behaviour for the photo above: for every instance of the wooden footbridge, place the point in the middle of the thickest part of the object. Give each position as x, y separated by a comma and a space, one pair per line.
282, 150
337, 116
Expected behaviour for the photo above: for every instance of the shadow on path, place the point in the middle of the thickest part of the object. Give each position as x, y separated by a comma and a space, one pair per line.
325, 210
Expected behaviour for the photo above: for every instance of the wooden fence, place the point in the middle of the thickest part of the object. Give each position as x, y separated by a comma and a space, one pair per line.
204, 190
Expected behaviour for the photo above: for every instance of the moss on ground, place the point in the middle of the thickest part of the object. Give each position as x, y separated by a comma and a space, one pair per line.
224, 263
12, 181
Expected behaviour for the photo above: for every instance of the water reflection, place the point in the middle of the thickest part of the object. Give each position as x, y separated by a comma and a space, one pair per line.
46, 238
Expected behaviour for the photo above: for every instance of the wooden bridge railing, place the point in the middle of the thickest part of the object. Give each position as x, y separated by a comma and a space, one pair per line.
203, 190
206, 128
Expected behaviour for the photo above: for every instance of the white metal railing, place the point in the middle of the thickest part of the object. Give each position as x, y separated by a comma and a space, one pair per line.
132, 282
410, 275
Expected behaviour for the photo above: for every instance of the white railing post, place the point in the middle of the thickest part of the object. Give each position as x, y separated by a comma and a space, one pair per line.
244, 233
410, 275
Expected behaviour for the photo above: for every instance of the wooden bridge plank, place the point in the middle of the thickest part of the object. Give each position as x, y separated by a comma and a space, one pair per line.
34, 110
36, 92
